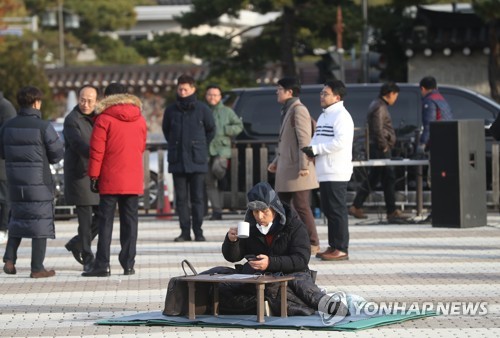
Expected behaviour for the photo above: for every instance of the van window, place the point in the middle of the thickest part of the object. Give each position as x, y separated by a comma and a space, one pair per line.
406, 112
465, 106
260, 113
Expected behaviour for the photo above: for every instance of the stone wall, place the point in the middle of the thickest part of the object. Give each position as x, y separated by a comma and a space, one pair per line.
458, 70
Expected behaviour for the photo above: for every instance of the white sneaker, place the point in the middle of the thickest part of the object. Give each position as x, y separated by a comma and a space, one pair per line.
3, 237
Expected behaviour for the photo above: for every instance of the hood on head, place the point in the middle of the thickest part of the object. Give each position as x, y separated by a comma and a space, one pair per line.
263, 196
125, 107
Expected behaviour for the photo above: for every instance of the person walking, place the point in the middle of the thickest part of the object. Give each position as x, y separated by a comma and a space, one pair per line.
7, 111
116, 171
29, 146
331, 148
228, 125
77, 131
382, 141
189, 127
295, 174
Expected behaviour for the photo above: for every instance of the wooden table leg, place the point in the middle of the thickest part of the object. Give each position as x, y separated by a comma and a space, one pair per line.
284, 312
260, 302
216, 299
191, 300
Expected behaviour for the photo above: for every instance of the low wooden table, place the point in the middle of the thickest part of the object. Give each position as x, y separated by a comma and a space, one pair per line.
260, 284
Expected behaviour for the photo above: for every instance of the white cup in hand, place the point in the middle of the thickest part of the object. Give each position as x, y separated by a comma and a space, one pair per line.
243, 229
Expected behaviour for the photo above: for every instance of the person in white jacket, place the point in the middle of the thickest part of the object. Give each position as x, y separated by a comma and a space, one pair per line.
331, 147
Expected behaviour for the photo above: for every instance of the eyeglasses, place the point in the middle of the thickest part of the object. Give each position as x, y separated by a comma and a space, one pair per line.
323, 93
84, 101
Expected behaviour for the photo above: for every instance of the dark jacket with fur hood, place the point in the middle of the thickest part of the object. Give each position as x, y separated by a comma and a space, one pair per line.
116, 146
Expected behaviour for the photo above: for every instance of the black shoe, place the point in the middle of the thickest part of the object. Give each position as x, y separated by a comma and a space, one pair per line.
93, 272
216, 216
200, 238
129, 272
182, 239
76, 253
88, 266
9, 268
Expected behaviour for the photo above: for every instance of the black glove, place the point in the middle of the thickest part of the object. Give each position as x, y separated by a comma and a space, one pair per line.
94, 185
308, 151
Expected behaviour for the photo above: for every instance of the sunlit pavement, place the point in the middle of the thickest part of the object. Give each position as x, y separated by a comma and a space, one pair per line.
388, 263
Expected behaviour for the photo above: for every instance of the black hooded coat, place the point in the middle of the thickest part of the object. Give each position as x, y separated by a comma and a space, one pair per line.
289, 254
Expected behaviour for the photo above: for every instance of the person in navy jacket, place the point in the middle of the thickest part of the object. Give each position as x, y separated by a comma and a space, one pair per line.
188, 126
29, 146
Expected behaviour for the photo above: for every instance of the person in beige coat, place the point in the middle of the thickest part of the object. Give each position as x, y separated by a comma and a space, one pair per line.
295, 173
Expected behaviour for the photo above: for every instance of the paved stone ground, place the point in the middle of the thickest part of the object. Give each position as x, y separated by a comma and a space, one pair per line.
388, 262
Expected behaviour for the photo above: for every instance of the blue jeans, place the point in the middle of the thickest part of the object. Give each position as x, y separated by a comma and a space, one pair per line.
333, 203
128, 207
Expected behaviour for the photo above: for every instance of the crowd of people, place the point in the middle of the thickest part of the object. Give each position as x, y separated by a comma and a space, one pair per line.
103, 149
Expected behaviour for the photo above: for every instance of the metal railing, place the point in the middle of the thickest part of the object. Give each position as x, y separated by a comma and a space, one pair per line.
254, 172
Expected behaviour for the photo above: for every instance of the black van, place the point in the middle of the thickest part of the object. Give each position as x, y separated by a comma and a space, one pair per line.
260, 113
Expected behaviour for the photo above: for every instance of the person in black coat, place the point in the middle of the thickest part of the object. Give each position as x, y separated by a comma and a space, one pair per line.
29, 146
279, 240
188, 126
7, 111
77, 131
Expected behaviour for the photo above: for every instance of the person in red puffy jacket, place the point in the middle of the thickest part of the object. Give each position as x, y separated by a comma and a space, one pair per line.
117, 144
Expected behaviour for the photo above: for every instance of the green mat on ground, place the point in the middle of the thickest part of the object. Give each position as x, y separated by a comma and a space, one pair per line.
314, 322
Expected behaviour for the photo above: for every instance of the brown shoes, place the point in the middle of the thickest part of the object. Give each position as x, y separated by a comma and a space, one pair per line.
43, 274
327, 251
357, 212
9, 268
314, 249
336, 255
396, 215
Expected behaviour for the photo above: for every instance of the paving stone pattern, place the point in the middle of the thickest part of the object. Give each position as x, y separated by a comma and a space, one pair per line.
388, 262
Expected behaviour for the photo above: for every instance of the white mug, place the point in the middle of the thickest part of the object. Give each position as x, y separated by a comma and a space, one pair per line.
243, 229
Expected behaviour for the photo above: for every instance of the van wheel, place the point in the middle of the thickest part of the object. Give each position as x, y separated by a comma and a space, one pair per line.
153, 192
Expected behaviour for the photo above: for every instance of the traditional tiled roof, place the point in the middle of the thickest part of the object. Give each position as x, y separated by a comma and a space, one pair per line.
444, 29
156, 78
142, 77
